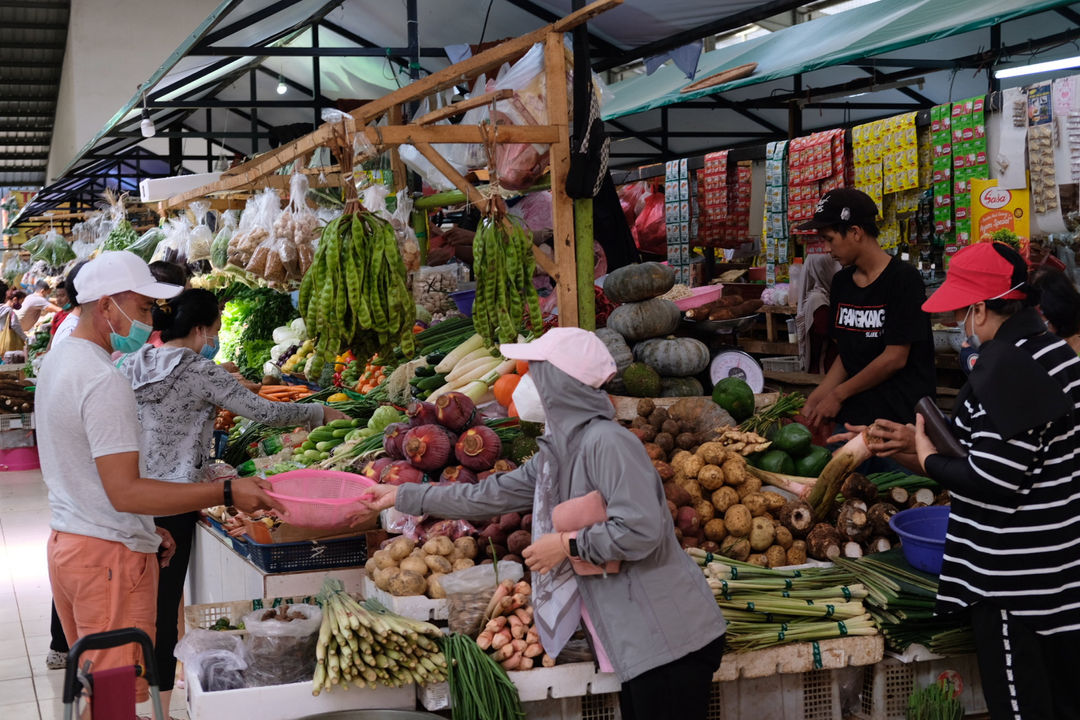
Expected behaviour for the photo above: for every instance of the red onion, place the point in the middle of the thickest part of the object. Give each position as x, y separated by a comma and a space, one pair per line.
481, 477
393, 436
456, 411
504, 465
401, 472
478, 448
373, 469
428, 447
458, 474
421, 413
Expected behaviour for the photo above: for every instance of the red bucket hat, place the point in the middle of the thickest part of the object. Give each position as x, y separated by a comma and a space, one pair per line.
976, 273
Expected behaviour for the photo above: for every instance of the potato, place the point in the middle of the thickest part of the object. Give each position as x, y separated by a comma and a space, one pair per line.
796, 554
370, 566
705, 510
737, 520
383, 560
445, 545
463, 564
715, 530
379, 577
734, 472
762, 535
678, 461
784, 537
438, 564
750, 485
711, 477
416, 565
692, 466
712, 453
692, 488
758, 559
735, 548
776, 556
724, 498
386, 576
467, 547
406, 583
773, 500
755, 503
400, 548
435, 588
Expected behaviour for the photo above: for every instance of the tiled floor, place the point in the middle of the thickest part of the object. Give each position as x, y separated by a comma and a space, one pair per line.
28, 690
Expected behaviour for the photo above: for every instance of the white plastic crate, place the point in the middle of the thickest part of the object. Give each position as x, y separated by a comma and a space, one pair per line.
813, 695
288, 702
588, 707
24, 421
783, 363
539, 685
888, 685
417, 607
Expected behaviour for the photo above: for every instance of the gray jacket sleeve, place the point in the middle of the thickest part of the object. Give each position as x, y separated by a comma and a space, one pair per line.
620, 470
217, 386
506, 492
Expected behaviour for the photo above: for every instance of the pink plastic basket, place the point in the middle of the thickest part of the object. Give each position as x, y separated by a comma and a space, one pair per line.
318, 498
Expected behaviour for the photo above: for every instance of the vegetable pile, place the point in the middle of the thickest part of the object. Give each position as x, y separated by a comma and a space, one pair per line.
356, 292
510, 633
365, 644
404, 568
15, 397
479, 686
505, 294
248, 323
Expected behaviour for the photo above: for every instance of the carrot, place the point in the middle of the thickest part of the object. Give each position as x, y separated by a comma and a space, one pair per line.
483, 640
512, 663
501, 639
533, 650
524, 615
501, 592
523, 588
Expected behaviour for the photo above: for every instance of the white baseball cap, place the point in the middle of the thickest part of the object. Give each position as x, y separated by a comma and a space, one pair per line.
578, 353
111, 273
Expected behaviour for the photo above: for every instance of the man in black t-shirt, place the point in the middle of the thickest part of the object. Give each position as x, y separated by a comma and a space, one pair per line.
886, 361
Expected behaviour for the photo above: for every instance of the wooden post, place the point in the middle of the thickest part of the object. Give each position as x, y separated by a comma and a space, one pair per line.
562, 210
396, 165
586, 262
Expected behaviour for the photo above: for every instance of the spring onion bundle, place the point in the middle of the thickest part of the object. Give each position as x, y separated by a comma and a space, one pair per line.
935, 702
786, 406
365, 644
479, 687
901, 600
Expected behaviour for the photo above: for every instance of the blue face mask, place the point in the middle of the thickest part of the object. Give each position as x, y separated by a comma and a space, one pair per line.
138, 334
210, 347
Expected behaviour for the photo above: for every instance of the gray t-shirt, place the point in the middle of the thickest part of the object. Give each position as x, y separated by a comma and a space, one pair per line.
85, 410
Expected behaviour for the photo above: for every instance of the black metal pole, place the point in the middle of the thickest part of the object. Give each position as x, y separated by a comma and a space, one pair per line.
316, 76
253, 96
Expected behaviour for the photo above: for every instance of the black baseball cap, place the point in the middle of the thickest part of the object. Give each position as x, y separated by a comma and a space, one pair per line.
842, 206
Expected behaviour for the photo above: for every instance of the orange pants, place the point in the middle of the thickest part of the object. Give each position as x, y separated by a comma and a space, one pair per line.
100, 585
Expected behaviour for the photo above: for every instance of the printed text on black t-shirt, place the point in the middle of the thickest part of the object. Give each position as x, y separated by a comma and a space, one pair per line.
867, 319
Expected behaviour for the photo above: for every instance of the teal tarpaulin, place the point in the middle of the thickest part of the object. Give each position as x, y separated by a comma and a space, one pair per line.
862, 32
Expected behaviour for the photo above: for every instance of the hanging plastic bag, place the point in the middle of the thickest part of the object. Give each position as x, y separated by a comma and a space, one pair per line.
219, 249
85, 236
650, 228
52, 249
469, 592
120, 234
281, 644
471, 155
401, 219
296, 230
420, 164
173, 246
256, 226
518, 165
201, 236
147, 244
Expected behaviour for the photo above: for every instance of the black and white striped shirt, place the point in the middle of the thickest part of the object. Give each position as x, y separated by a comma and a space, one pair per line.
1014, 530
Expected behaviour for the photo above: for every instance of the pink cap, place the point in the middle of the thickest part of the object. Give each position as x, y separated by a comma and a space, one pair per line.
578, 353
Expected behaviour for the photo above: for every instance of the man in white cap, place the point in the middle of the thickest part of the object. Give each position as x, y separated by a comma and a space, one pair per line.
654, 622
103, 550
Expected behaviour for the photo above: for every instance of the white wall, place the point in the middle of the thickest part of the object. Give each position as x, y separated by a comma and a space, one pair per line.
112, 47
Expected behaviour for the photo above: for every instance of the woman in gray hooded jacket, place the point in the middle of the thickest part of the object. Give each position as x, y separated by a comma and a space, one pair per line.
179, 388
655, 622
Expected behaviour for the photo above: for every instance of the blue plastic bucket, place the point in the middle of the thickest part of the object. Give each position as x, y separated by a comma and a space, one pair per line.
464, 300
922, 532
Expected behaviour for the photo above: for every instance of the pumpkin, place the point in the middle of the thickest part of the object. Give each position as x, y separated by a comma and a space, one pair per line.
634, 283
681, 387
648, 319
673, 357
618, 348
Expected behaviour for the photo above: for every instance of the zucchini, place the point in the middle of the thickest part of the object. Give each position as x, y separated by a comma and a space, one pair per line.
431, 383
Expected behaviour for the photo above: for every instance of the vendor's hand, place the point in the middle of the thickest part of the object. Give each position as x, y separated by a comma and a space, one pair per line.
459, 236
545, 554
253, 387
852, 431
329, 414
249, 495
230, 367
379, 497
825, 409
887, 438
167, 548
924, 446
440, 255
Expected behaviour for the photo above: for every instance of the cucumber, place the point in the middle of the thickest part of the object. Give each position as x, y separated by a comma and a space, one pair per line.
319, 435
431, 383
343, 432
324, 456
435, 358
311, 456
328, 445
307, 445
337, 424
424, 371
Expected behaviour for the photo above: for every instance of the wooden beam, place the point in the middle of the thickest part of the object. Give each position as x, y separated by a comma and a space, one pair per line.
451, 174
562, 210
397, 166
463, 107
448, 77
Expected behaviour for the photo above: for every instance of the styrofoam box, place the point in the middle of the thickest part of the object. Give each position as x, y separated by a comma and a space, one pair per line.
572, 680
288, 702
416, 607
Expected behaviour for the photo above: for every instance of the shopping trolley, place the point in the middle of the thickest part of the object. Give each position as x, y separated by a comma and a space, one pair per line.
111, 692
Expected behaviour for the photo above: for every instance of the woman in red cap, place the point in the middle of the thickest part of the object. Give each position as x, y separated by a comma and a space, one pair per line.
1012, 553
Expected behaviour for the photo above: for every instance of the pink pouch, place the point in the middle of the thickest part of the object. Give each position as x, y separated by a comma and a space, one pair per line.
578, 513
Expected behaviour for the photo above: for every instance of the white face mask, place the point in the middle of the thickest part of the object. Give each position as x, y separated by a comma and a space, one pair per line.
527, 400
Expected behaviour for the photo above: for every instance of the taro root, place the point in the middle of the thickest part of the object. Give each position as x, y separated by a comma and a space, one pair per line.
711, 477
857, 487
657, 418
878, 544
705, 510
400, 472
685, 441
665, 441
393, 437
755, 503
776, 556
796, 554
758, 559
797, 516
898, 496
671, 427
428, 447
824, 542
457, 411
459, 474
783, 537
762, 534
478, 448
734, 470
852, 522
421, 413
879, 515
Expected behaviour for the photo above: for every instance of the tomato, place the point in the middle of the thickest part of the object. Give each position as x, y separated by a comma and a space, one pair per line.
504, 389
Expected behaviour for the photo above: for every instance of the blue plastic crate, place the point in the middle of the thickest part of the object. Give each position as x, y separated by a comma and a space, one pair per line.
306, 555
238, 546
